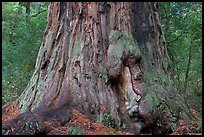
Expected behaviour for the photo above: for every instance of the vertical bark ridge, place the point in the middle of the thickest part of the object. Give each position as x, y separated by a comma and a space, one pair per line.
90, 71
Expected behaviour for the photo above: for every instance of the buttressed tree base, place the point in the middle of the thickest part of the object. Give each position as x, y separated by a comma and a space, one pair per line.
109, 54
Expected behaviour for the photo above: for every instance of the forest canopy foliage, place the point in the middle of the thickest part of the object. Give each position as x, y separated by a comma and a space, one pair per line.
21, 38
23, 25
182, 25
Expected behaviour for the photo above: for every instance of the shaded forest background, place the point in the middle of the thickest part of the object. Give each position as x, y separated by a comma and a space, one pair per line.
23, 25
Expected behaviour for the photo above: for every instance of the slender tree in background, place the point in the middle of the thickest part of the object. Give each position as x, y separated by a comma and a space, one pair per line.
103, 58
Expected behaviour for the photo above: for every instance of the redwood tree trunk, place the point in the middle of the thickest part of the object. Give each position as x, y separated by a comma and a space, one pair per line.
105, 58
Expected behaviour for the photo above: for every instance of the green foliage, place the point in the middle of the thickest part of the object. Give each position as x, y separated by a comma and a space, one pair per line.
72, 130
109, 121
106, 120
21, 39
8, 96
182, 25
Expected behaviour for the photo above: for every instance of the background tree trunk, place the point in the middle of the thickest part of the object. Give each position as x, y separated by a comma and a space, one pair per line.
28, 8
105, 58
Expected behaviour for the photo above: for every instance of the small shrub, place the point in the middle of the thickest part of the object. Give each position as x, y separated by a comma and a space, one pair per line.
72, 130
7, 97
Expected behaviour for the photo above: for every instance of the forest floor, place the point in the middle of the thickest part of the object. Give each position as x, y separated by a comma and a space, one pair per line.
81, 125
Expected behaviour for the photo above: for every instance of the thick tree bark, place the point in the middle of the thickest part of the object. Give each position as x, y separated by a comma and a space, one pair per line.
28, 7
188, 66
105, 58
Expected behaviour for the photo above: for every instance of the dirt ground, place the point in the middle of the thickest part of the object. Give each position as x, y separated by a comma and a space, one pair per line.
87, 127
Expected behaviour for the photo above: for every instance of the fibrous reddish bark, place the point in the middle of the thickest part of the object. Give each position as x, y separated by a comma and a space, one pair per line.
104, 58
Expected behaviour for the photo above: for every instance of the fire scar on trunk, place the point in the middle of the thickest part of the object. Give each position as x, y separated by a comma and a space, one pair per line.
131, 98
123, 57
